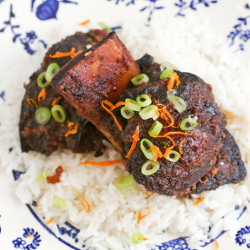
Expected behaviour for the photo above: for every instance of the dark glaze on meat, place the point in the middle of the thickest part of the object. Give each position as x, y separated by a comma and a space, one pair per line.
203, 148
48, 138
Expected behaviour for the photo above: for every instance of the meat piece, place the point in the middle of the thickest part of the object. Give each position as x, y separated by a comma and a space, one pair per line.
48, 138
101, 73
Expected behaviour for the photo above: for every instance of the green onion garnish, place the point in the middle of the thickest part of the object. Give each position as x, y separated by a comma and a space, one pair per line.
59, 202
41, 80
177, 101
148, 112
126, 193
173, 156
143, 100
188, 123
167, 65
88, 46
155, 129
105, 27
132, 104
125, 182
42, 177
58, 113
42, 115
52, 69
127, 113
166, 73
139, 79
150, 167
146, 145
137, 238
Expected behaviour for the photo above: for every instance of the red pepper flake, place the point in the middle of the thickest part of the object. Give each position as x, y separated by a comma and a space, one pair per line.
224, 136
56, 177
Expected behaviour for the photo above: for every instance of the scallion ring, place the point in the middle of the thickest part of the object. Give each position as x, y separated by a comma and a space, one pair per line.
127, 113
58, 113
167, 65
177, 101
137, 238
132, 104
143, 100
126, 192
42, 177
124, 182
146, 145
155, 129
173, 156
150, 167
59, 202
42, 115
105, 27
41, 80
188, 123
148, 112
139, 79
166, 73
52, 69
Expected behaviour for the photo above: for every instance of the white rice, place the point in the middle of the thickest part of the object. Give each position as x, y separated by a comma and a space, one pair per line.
113, 218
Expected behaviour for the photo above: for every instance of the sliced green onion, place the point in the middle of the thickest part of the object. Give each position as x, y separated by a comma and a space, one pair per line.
155, 129
177, 101
126, 192
124, 182
150, 167
58, 113
137, 238
105, 27
41, 80
127, 113
148, 112
173, 156
139, 79
42, 115
143, 100
59, 202
52, 69
166, 73
167, 65
88, 46
133, 105
188, 123
42, 177
146, 145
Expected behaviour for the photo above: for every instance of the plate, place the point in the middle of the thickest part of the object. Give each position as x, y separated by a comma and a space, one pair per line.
27, 28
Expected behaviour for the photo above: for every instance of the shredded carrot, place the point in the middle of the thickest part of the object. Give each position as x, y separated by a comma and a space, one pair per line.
71, 124
118, 105
49, 221
157, 153
73, 131
173, 78
56, 100
216, 244
29, 100
42, 95
72, 53
36, 206
180, 146
214, 171
199, 201
177, 133
142, 238
84, 23
30, 235
136, 138
167, 151
101, 163
206, 179
110, 112
82, 203
140, 217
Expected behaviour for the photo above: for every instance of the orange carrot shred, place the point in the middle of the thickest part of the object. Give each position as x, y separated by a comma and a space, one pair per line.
142, 238
72, 53
173, 78
136, 138
117, 105
82, 203
101, 163
157, 153
29, 100
214, 171
42, 95
30, 235
110, 112
84, 23
199, 201
71, 124
167, 151
36, 206
56, 100
216, 244
140, 217
180, 146
73, 131
178, 133
49, 221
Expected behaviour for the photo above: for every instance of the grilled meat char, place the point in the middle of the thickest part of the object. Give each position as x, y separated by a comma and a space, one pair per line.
51, 136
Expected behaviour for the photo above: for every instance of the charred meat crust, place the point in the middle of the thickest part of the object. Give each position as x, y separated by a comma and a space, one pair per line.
50, 137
